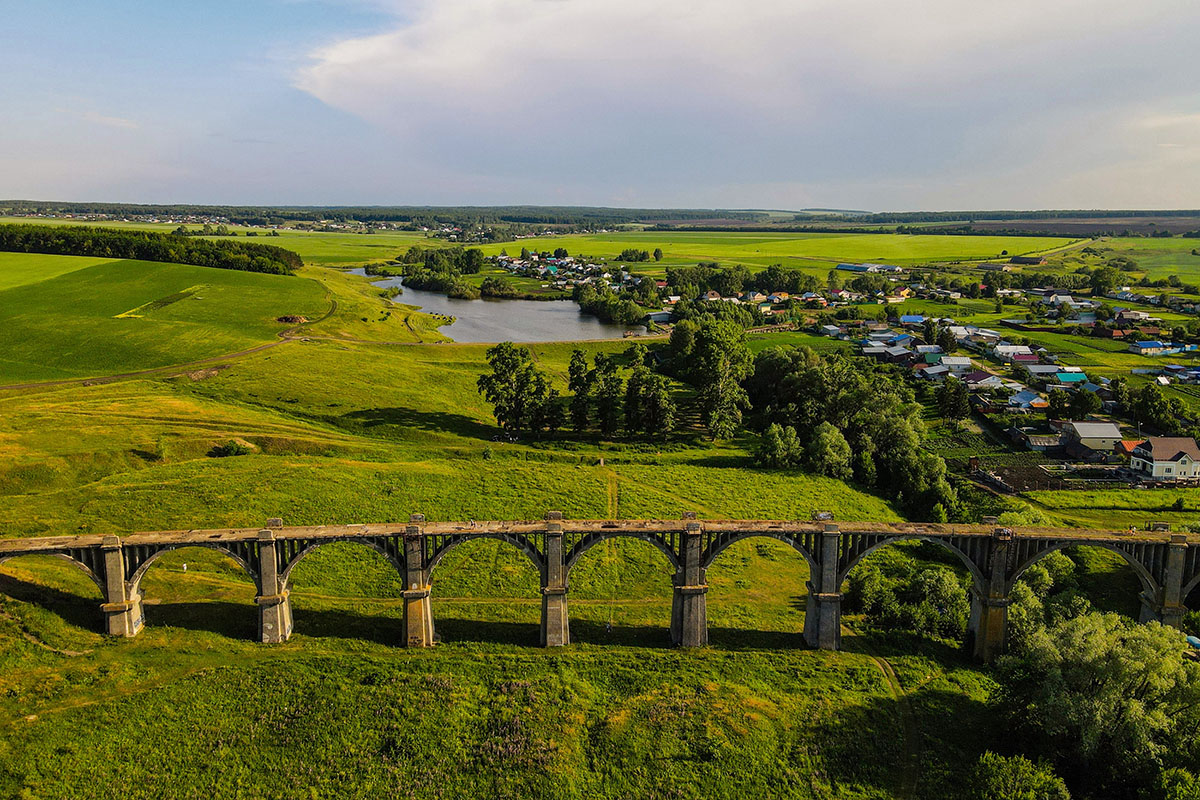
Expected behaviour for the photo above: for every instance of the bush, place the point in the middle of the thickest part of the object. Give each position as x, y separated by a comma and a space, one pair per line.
230, 448
1016, 778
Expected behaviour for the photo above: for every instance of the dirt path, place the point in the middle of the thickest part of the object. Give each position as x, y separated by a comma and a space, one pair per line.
910, 777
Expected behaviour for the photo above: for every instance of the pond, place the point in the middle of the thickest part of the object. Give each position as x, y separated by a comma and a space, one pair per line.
494, 320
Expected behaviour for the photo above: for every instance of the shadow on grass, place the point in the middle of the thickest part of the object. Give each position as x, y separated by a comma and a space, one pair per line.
438, 421
82, 612
232, 620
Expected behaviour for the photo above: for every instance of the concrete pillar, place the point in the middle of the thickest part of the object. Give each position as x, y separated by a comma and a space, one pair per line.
1171, 609
823, 612
556, 628
273, 600
122, 607
418, 614
989, 603
689, 604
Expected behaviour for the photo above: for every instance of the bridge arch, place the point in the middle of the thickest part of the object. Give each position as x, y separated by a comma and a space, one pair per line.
711, 555
522, 543
84, 568
135, 580
1189, 587
976, 573
593, 539
1149, 586
285, 574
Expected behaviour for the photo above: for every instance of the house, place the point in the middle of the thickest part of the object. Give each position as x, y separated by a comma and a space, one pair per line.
1150, 348
711, 294
996, 267
899, 355
1070, 378
658, 317
982, 380
753, 297
831, 330
1035, 261
875, 351
929, 349
1027, 399
1006, 352
912, 319
1100, 437
935, 372
1167, 457
1047, 371
959, 365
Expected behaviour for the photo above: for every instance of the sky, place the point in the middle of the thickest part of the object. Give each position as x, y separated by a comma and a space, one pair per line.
787, 104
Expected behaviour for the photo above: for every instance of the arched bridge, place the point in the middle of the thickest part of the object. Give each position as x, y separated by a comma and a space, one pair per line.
1167, 565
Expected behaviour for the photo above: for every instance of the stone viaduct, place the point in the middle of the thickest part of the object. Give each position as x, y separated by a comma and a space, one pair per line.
1167, 565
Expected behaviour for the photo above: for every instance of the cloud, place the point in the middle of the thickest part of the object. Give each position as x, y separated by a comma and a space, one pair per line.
593, 97
103, 119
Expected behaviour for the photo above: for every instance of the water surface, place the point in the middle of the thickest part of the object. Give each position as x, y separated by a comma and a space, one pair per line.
496, 320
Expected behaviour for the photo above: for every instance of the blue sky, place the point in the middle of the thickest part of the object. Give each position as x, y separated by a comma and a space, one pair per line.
701, 103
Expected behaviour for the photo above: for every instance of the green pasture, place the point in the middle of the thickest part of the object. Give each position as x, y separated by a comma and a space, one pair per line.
71, 326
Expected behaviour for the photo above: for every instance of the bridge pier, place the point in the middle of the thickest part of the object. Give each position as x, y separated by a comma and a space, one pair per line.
122, 607
989, 602
823, 611
556, 627
1169, 608
273, 600
418, 614
689, 603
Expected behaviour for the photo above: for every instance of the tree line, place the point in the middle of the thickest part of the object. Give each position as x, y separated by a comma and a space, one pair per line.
148, 246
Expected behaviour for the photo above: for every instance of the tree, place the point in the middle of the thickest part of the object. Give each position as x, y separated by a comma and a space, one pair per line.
525, 254
658, 254
1150, 407
779, 447
1104, 280
722, 360
609, 387
580, 385
1058, 404
953, 400
1083, 404
1112, 700
1016, 778
520, 394
946, 340
828, 452
471, 261
560, 252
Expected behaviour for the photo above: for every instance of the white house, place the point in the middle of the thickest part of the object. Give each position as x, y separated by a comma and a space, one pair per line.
1170, 458
959, 365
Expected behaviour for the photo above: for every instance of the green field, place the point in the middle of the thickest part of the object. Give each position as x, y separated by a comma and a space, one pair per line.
813, 251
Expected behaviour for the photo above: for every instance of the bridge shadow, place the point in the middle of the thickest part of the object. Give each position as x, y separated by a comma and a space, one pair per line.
231, 620
77, 610
436, 421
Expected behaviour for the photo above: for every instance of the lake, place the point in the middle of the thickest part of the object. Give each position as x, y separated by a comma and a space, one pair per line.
488, 321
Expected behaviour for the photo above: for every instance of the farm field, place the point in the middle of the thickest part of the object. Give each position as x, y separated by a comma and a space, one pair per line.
811, 251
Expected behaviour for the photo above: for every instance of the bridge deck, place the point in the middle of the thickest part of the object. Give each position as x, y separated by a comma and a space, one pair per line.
583, 527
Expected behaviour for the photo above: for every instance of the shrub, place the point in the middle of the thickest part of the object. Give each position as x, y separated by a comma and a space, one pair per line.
230, 448
1016, 778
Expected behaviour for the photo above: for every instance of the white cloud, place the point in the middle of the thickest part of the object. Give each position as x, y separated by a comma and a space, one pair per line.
103, 119
662, 99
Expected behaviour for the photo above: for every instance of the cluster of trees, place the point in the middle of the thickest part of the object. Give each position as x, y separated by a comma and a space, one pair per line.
440, 269
208, 230
873, 412
602, 397
147, 246
634, 255
690, 282
930, 600
712, 355
745, 316
607, 305
1110, 702
601, 394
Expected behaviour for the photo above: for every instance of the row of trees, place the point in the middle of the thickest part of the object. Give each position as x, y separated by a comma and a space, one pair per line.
148, 246
440, 269
689, 282
601, 396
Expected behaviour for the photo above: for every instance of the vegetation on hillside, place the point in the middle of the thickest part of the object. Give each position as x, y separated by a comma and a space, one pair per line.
148, 246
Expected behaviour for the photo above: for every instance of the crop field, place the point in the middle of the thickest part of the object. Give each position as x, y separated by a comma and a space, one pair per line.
813, 251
